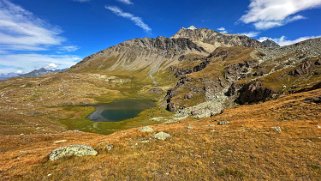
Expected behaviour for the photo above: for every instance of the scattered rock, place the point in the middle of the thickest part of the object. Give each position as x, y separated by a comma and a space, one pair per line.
188, 96
189, 127
104, 146
157, 91
72, 150
60, 141
319, 127
157, 119
277, 129
109, 147
162, 136
316, 100
146, 129
144, 140
223, 122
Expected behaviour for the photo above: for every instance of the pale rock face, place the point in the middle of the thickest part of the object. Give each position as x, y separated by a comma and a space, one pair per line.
216, 39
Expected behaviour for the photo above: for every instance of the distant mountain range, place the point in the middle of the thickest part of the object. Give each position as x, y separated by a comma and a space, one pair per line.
34, 73
8, 76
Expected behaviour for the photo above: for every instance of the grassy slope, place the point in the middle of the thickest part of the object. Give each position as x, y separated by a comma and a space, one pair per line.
246, 149
56, 102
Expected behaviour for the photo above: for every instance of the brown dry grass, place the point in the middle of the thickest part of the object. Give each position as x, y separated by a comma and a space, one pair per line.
246, 149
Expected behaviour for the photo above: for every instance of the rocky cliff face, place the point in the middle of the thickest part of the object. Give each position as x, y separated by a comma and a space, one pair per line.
212, 39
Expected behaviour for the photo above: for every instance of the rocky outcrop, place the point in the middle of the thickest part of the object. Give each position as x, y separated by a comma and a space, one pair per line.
239, 71
211, 88
316, 100
215, 38
72, 150
253, 92
307, 67
270, 44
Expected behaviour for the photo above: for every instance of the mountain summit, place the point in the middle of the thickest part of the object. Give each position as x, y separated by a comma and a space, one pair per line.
161, 52
270, 43
211, 39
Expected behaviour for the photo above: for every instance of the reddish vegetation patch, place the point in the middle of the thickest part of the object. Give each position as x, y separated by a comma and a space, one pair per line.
247, 148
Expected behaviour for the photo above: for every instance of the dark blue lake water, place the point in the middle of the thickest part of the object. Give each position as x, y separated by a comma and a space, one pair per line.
120, 110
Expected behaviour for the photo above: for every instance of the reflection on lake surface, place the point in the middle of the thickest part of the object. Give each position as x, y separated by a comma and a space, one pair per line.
120, 110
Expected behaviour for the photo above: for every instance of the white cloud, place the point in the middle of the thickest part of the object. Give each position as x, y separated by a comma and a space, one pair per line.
126, 1
21, 30
266, 14
222, 30
69, 48
250, 34
52, 66
137, 20
283, 41
29, 62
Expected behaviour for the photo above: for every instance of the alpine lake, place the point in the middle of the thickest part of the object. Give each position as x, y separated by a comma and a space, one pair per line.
114, 116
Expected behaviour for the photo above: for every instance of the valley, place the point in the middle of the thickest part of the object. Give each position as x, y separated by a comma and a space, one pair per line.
234, 108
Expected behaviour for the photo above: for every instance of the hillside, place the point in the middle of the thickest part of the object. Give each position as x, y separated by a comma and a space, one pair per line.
235, 108
248, 147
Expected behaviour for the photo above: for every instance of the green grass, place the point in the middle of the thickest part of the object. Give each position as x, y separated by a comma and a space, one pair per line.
78, 120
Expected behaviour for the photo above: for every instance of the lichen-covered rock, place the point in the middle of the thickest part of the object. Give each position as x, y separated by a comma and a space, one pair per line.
162, 136
146, 129
72, 150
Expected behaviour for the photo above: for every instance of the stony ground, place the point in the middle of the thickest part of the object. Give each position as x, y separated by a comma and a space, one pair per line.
275, 140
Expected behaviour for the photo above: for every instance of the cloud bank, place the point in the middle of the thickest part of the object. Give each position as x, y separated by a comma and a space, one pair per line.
266, 14
21, 31
283, 41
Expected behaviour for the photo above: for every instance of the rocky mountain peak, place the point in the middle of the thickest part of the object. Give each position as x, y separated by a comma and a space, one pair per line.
270, 44
161, 43
195, 34
212, 39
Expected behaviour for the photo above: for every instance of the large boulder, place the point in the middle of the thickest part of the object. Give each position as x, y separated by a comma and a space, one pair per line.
72, 150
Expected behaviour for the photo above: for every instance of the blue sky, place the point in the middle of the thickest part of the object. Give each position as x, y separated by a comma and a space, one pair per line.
59, 33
